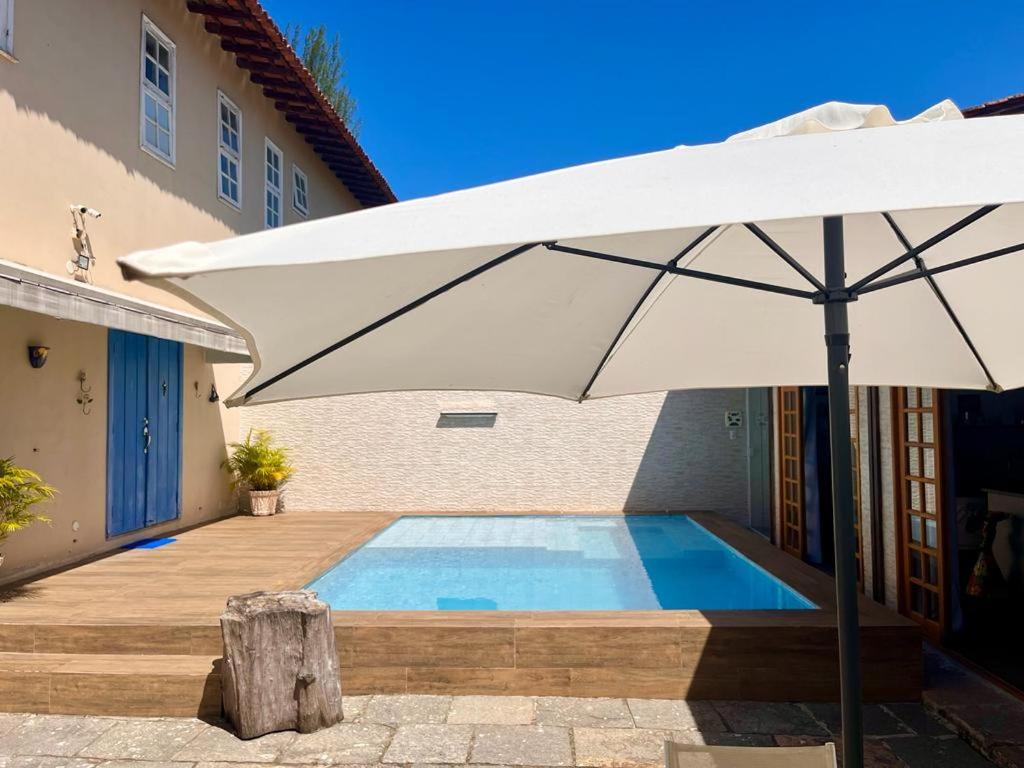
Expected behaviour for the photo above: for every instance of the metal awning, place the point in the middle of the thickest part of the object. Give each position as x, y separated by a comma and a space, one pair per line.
35, 291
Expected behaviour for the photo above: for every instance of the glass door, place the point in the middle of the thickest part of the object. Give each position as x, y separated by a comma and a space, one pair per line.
919, 508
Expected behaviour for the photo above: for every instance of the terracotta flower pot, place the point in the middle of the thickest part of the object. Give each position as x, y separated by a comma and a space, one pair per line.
263, 503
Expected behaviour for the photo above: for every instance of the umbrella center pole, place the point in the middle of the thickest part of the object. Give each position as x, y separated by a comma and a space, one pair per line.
837, 343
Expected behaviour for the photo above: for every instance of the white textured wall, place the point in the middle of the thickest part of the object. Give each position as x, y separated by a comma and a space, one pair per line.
384, 452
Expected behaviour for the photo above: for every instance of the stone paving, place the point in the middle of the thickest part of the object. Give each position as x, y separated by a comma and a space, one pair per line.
481, 731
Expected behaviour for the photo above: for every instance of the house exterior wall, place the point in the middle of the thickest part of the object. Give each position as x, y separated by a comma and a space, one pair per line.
69, 133
640, 453
48, 431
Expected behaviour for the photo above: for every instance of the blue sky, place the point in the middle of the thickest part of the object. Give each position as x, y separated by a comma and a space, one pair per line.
456, 93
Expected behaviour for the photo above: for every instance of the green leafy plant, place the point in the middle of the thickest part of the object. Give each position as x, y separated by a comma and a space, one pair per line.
257, 463
20, 490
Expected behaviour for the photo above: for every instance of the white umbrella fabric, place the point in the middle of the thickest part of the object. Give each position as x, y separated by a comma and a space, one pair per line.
707, 266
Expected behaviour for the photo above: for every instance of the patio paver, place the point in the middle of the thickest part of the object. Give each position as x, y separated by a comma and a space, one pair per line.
354, 706
44, 761
404, 708
9, 722
676, 715
157, 740
878, 721
54, 735
216, 743
341, 744
537, 745
608, 747
608, 740
492, 710
936, 753
768, 717
916, 718
430, 743
567, 711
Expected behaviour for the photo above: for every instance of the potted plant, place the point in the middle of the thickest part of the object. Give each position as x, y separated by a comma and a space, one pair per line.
20, 490
262, 468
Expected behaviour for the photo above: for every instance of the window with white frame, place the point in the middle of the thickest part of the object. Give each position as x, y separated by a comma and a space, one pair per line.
272, 184
300, 191
229, 151
157, 97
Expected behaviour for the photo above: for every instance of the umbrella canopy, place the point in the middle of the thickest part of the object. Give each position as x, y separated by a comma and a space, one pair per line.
510, 290
709, 266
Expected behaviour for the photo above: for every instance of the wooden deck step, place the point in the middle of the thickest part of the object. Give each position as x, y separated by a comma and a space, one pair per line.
112, 638
110, 684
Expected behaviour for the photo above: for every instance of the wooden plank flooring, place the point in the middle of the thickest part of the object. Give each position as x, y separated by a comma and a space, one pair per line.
189, 581
150, 608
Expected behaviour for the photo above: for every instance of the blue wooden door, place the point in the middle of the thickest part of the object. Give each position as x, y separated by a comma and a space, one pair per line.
143, 432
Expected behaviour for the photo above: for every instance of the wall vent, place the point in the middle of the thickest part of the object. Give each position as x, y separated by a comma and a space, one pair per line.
451, 420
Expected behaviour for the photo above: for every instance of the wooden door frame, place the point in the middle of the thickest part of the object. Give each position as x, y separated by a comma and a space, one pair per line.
801, 549
934, 630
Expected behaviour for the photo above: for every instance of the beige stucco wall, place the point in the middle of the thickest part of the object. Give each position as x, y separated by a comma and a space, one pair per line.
384, 451
69, 133
47, 431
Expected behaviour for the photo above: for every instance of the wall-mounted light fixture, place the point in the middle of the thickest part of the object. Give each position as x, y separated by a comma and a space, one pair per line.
84, 397
214, 397
37, 355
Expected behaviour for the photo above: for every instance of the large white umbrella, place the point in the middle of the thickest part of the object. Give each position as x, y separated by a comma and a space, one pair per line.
708, 266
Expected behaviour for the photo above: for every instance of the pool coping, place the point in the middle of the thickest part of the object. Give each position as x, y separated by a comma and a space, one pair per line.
771, 655
102, 620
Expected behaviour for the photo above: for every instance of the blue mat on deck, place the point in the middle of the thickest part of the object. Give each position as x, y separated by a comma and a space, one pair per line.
148, 543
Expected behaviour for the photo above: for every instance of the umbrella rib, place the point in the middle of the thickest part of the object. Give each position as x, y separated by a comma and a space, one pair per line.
941, 297
643, 298
949, 231
392, 316
907, 277
763, 236
685, 272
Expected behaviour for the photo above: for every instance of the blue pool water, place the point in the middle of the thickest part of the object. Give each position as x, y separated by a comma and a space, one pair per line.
546, 563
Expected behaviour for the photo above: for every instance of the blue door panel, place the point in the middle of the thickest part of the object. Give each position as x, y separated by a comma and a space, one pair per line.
143, 471
164, 456
115, 434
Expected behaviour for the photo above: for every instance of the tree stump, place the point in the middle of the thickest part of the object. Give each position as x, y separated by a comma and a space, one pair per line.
280, 668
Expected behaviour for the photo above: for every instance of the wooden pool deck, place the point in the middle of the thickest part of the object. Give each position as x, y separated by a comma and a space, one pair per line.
136, 632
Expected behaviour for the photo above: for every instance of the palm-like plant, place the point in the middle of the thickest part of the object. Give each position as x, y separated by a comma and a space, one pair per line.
257, 463
20, 490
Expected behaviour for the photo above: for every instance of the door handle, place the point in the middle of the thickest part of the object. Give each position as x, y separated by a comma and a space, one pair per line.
145, 434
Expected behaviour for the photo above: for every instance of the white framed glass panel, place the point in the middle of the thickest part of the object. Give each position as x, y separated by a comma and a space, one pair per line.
157, 78
300, 191
229, 151
273, 162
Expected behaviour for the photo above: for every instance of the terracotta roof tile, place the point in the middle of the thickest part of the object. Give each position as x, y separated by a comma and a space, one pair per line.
246, 30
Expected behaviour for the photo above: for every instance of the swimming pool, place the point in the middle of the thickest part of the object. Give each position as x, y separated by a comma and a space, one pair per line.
550, 563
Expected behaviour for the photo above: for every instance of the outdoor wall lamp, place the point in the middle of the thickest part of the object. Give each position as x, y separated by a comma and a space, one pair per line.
37, 355
84, 398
